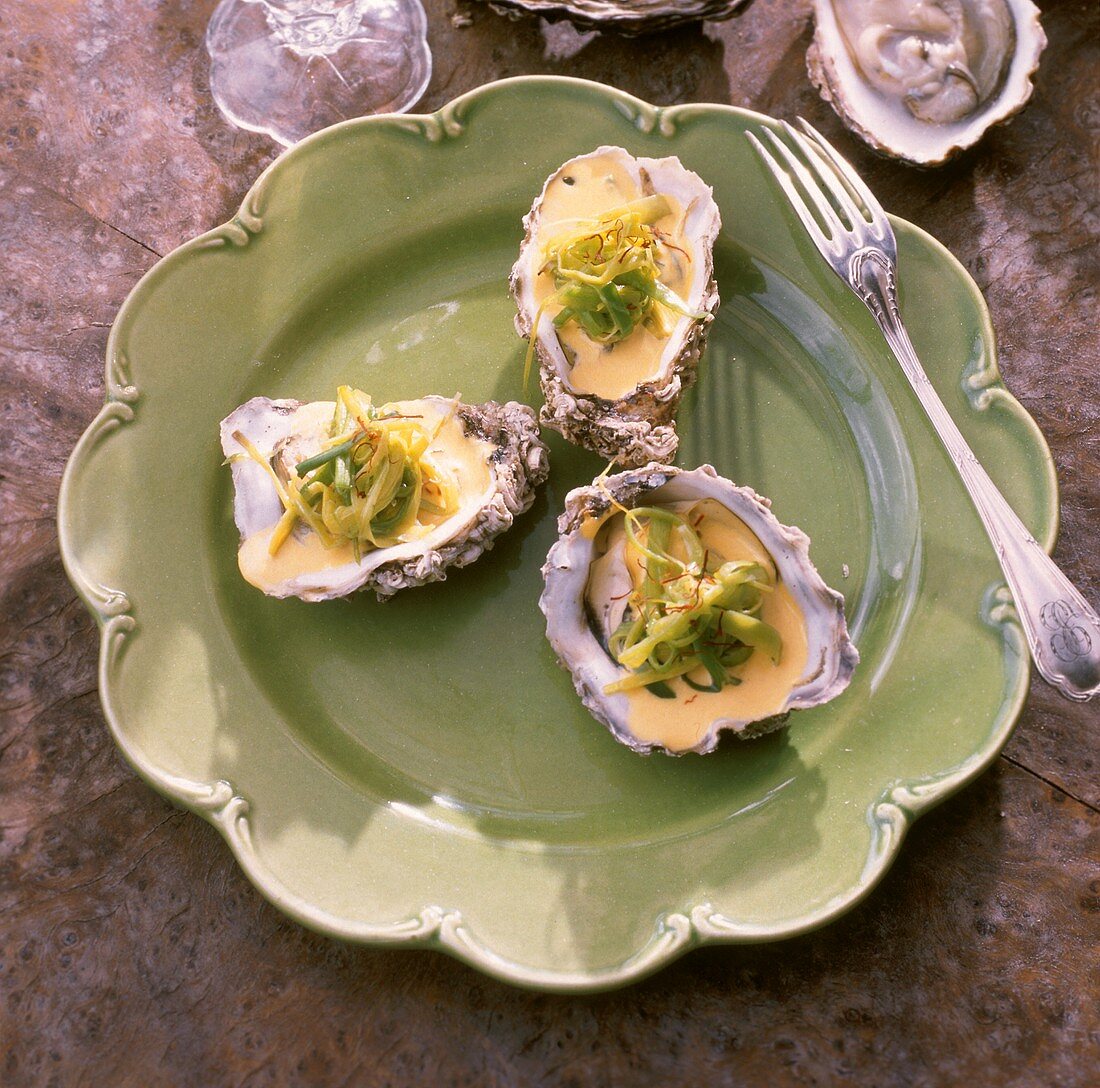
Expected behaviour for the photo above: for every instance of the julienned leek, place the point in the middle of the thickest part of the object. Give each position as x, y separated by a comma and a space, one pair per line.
606, 276
373, 483
690, 611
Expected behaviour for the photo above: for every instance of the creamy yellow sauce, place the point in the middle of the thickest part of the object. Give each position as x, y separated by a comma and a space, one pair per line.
297, 557
679, 724
600, 184
303, 553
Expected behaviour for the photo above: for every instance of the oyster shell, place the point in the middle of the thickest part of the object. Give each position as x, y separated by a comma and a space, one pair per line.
921, 80
619, 400
587, 582
626, 17
492, 450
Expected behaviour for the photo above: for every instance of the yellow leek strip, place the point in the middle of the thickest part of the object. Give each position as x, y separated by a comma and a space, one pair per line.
548, 301
289, 494
357, 404
648, 209
308, 515
446, 418
282, 530
264, 463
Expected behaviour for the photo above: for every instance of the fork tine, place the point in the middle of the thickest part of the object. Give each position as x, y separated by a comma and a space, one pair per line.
812, 188
822, 146
826, 176
792, 193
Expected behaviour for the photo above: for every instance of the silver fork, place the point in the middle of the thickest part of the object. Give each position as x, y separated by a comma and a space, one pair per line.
1062, 630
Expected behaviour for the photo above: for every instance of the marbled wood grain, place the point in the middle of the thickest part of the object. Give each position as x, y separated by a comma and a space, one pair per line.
153, 961
133, 951
108, 103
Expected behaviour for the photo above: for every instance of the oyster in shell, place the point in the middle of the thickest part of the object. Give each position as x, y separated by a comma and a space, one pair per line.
923, 79
788, 648
611, 383
626, 17
487, 458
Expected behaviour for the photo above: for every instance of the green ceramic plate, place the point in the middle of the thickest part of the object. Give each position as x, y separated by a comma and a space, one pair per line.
420, 772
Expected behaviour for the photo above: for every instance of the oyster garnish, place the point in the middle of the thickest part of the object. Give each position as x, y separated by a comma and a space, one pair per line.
614, 290
332, 497
682, 608
923, 79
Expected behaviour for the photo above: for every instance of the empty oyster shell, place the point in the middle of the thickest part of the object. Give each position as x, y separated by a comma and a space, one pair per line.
588, 582
619, 399
491, 452
921, 80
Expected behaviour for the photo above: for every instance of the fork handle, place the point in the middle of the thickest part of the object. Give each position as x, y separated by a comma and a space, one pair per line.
1062, 629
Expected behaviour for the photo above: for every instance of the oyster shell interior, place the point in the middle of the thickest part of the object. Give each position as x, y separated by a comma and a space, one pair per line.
590, 574
763, 686
492, 478
922, 79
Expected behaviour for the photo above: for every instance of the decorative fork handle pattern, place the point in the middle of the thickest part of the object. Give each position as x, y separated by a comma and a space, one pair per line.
1062, 630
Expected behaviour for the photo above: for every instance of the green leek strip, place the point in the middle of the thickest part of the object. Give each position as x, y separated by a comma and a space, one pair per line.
644, 677
660, 526
599, 326
655, 289
341, 479
620, 315
667, 297
303, 468
753, 632
718, 674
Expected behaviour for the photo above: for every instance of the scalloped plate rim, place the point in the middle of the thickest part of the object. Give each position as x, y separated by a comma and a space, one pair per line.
437, 926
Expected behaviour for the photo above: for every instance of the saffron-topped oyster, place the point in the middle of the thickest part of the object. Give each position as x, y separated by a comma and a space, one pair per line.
331, 497
923, 79
614, 287
682, 607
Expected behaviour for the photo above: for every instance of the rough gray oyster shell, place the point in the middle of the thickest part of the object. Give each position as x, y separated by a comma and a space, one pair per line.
626, 17
517, 461
637, 427
572, 626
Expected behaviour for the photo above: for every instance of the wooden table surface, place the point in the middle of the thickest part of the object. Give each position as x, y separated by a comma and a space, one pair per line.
132, 949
